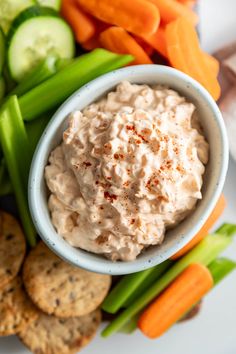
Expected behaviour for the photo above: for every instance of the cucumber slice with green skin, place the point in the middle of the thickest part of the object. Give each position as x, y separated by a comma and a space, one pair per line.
36, 33
9, 9
2, 88
2, 49
55, 4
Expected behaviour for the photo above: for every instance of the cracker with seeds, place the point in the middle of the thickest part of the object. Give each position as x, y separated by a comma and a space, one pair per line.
59, 288
16, 309
12, 248
53, 335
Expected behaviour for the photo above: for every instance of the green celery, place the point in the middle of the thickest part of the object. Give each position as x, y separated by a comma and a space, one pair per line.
52, 92
44, 70
2, 88
220, 268
129, 285
131, 325
205, 252
16, 151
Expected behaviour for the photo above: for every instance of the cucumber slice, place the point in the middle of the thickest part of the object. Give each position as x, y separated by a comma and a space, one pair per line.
36, 33
9, 9
2, 88
2, 50
55, 4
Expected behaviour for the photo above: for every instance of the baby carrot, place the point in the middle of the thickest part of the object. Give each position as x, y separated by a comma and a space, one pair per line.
212, 63
216, 213
185, 291
81, 23
170, 10
117, 40
136, 16
157, 40
185, 54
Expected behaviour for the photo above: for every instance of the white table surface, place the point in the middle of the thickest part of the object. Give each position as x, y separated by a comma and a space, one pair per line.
214, 330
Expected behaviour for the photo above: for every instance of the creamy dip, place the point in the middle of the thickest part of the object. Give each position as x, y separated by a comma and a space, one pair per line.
129, 167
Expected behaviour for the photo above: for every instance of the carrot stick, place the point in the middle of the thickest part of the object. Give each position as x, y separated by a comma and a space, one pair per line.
117, 40
216, 213
144, 44
189, 3
212, 63
136, 16
91, 43
185, 291
185, 54
170, 10
82, 24
158, 41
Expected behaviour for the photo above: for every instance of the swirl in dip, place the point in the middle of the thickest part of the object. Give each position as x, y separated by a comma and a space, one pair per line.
129, 167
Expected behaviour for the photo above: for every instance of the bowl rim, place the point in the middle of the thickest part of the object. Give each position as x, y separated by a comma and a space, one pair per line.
118, 268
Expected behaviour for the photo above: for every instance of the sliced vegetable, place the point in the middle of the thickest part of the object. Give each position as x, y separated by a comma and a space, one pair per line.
117, 40
83, 25
55, 4
129, 285
49, 34
9, 9
151, 278
2, 88
35, 128
17, 155
2, 49
220, 268
170, 10
130, 326
185, 54
216, 213
92, 43
212, 63
158, 41
73, 76
205, 252
45, 69
185, 291
136, 16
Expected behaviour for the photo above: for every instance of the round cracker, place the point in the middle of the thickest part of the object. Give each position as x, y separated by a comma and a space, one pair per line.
59, 288
12, 248
53, 335
16, 309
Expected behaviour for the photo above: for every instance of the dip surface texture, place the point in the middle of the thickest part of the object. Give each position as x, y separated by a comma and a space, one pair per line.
129, 166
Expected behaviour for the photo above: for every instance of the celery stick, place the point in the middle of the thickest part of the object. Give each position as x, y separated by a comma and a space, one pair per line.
226, 229
16, 151
156, 273
44, 70
56, 89
205, 252
220, 268
131, 325
35, 129
128, 286
2, 88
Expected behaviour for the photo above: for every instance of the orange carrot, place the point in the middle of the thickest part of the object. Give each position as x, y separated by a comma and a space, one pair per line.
146, 47
185, 291
170, 10
82, 24
212, 63
158, 41
91, 43
136, 16
185, 54
117, 40
216, 213
189, 3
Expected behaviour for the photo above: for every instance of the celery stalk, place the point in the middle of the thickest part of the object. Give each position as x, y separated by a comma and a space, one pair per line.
131, 284
16, 151
205, 252
56, 89
44, 70
220, 268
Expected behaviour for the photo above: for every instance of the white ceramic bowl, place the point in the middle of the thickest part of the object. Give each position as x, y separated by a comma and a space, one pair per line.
214, 177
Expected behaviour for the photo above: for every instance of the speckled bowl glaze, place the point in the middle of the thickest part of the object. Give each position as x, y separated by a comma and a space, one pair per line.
214, 177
